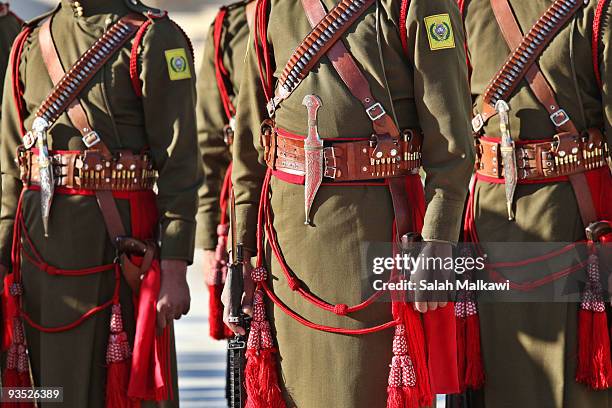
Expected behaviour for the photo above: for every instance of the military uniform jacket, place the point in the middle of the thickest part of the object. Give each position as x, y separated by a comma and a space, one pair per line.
529, 349
426, 89
212, 117
161, 121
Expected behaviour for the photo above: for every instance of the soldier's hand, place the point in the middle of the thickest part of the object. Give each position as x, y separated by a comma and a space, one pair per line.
174, 298
212, 268
247, 297
425, 300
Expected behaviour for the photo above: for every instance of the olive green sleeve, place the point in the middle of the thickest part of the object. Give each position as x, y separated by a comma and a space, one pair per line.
606, 72
169, 110
214, 152
10, 139
443, 104
248, 166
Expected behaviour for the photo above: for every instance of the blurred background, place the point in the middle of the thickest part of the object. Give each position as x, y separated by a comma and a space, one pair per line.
201, 360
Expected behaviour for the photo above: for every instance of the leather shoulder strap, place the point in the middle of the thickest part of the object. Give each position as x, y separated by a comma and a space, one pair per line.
72, 83
538, 83
598, 25
544, 93
51, 58
325, 39
519, 62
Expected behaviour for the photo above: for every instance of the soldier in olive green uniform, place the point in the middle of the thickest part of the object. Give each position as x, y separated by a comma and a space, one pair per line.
216, 117
425, 90
529, 349
160, 122
10, 26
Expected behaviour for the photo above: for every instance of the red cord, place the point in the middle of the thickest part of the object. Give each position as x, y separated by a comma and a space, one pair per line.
221, 73
15, 62
328, 329
225, 194
596, 38
402, 24
471, 235
134, 75
262, 49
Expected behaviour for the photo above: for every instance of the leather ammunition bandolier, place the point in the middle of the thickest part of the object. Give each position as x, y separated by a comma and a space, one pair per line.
570, 152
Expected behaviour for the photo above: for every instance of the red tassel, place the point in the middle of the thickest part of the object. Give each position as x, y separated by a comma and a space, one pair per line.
217, 329
584, 338
118, 356
461, 324
474, 371
261, 377
416, 346
594, 367
600, 350
261, 380
17, 371
402, 386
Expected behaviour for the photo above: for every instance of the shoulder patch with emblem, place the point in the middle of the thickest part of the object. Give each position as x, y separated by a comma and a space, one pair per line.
178, 64
439, 32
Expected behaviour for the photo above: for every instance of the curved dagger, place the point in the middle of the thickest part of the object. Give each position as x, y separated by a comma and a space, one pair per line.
313, 152
508, 155
45, 167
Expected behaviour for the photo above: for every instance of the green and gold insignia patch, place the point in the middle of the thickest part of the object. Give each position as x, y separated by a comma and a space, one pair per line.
440, 32
178, 65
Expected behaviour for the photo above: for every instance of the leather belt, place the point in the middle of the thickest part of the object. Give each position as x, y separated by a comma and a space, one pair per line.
91, 171
345, 161
564, 155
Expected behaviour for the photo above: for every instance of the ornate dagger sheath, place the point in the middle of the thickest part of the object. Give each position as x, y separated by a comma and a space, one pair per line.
45, 167
508, 155
313, 152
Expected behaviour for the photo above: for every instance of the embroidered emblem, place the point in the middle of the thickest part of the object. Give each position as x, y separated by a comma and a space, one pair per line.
440, 32
178, 65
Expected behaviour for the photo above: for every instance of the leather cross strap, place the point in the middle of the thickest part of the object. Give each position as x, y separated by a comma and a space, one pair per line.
328, 29
537, 81
348, 70
344, 63
67, 87
543, 92
523, 57
75, 110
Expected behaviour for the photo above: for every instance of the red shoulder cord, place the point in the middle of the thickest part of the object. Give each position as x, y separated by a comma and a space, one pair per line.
596, 39
264, 221
221, 73
461, 5
14, 62
134, 74
402, 24
262, 49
